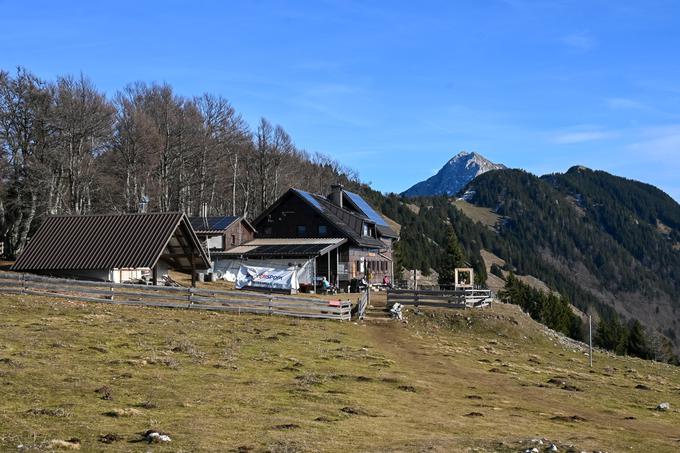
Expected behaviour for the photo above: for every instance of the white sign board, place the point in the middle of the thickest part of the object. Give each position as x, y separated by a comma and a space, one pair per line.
280, 278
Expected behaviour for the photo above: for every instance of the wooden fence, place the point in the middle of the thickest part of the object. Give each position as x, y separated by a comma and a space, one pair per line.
444, 299
174, 297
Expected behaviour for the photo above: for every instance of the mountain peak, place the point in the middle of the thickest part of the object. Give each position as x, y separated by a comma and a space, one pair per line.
454, 175
578, 169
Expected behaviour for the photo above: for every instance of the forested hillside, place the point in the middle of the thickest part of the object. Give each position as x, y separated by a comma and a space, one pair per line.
606, 244
613, 238
67, 147
642, 219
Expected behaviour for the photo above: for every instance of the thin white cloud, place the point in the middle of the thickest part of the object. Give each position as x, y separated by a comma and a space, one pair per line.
660, 142
625, 104
581, 41
568, 138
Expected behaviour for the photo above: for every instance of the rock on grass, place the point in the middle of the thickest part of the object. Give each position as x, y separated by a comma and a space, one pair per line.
71, 444
663, 407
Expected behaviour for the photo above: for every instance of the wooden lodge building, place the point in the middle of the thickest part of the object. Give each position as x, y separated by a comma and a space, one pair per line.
338, 236
114, 247
347, 238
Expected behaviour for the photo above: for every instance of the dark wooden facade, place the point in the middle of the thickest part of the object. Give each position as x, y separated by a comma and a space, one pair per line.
299, 214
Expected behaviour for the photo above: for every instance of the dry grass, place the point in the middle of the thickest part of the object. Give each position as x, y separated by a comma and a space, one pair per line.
485, 216
486, 380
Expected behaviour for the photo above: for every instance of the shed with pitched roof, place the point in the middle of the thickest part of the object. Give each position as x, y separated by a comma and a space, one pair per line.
114, 247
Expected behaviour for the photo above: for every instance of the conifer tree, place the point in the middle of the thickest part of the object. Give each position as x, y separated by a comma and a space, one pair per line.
452, 258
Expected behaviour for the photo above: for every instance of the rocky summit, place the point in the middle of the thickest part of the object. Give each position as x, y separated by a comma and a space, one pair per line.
454, 175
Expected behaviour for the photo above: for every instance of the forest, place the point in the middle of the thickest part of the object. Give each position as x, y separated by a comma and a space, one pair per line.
68, 148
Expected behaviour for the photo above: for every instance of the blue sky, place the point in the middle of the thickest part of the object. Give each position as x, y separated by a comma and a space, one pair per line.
394, 89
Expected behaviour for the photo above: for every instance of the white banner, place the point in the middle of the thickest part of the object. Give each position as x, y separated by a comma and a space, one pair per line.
228, 268
281, 278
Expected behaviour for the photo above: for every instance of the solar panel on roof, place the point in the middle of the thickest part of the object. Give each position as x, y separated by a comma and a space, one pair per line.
294, 249
366, 208
223, 222
310, 198
197, 223
212, 223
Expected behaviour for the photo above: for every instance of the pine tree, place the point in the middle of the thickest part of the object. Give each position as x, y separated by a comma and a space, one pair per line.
452, 258
637, 341
612, 334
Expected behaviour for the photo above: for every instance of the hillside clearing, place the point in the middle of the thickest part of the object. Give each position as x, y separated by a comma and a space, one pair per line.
485, 216
496, 284
488, 380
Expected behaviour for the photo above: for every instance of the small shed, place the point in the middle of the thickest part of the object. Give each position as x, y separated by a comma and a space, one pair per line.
221, 233
114, 247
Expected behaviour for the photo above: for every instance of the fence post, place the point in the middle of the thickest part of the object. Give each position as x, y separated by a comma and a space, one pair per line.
590, 339
23, 284
190, 297
270, 305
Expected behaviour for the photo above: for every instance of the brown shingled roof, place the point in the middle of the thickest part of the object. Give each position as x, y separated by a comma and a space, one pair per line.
113, 241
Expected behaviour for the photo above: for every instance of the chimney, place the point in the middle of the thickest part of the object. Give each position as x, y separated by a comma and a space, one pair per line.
336, 194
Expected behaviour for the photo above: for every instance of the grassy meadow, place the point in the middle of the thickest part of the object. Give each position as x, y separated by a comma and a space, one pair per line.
96, 377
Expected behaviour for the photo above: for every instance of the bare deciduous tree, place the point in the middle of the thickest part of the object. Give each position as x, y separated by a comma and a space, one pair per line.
65, 148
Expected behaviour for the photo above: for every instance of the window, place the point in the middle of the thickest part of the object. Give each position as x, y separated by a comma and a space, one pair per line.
301, 230
323, 230
364, 230
233, 239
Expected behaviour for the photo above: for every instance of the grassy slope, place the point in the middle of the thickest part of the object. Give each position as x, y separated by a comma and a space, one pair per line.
220, 381
485, 216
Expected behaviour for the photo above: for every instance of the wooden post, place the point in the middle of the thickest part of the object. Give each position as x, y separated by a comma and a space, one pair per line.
392, 281
337, 267
193, 265
328, 256
368, 295
314, 274
155, 275
368, 283
590, 339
